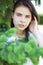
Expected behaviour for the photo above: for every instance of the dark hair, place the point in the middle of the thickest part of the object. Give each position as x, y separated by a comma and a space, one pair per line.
28, 4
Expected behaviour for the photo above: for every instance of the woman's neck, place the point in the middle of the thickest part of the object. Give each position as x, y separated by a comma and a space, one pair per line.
20, 33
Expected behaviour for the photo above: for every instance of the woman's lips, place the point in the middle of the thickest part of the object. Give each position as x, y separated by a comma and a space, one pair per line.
20, 25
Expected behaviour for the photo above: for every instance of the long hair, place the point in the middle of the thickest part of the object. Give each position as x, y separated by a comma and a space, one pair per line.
33, 11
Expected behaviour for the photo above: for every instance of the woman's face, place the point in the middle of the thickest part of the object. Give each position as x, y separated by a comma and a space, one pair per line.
22, 17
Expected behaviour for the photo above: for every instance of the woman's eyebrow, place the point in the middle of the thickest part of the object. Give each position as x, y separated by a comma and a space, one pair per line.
19, 13
28, 15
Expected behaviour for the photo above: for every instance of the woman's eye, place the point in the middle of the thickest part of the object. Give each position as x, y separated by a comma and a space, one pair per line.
19, 15
27, 16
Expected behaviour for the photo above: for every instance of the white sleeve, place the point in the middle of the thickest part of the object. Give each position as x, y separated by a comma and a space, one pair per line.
29, 62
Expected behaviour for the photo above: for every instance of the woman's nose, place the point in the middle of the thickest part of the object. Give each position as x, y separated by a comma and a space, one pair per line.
23, 19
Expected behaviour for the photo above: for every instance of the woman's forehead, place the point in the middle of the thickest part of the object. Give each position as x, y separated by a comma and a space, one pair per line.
22, 9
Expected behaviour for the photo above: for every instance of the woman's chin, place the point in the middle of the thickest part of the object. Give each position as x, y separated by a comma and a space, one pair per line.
21, 29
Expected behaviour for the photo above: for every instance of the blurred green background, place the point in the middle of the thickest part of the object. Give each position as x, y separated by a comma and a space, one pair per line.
41, 19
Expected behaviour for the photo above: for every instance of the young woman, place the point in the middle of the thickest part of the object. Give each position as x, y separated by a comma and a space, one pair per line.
25, 20
28, 19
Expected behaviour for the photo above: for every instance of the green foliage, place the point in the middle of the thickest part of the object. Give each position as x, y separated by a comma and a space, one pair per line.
16, 52
5, 14
41, 19
5, 9
4, 26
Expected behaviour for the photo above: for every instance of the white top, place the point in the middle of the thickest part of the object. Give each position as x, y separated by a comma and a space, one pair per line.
12, 38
